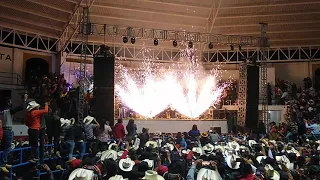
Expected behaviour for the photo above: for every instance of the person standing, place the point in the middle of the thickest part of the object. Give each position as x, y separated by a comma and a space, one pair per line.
131, 129
89, 128
32, 120
118, 131
7, 131
103, 135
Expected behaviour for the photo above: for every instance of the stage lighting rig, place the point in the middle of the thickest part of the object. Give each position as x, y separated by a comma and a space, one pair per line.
210, 45
133, 40
125, 39
174, 43
155, 42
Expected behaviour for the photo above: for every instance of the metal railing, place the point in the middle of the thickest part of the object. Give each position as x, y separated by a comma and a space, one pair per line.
10, 78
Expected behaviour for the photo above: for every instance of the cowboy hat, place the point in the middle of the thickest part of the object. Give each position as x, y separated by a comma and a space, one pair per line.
294, 151
274, 175
119, 154
197, 150
285, 161
25, 143
252, 142
186, 151
87, 120
112, 145
152, 175
136, 144
117, 177
150, 163
208, 148
231, 162
234, 145
170, 146
64, 122
208, 174
126, 164
259, 158
31, 105
81, 174
152, 144
13, 145
204, 134
108, 154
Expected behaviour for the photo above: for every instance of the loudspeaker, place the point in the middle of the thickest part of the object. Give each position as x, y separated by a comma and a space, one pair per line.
252, 111
103, 91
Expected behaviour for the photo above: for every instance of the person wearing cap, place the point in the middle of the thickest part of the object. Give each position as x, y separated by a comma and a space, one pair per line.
32, 120
7, 138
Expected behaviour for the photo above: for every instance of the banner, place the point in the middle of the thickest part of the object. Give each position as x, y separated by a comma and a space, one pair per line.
6, 59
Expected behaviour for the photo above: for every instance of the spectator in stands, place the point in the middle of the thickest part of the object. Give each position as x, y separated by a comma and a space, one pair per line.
181, 141
7, 131
90, 125
194, 133
144, 137
32, 120
131, 129
214, 136
204, 139
54, 129
313, 127
68, 130
118, 130
79, 138
103, 135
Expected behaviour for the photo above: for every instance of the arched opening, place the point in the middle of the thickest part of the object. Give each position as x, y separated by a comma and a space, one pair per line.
36, 68
317, 78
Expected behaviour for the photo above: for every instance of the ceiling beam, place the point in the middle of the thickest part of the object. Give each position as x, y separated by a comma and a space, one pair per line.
269, 15
145, 10
48, 5
215, 15
37, 13
268, 4
170, 2
31, 22
269, 24
30, 31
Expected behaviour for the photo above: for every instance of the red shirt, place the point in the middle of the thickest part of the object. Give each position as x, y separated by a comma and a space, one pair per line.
32, 119
118, 131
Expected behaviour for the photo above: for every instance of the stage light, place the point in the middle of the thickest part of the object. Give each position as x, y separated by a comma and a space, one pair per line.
190, 44
174, 43
133, 40
125, 39
155, 42
210, 45
240, 47
232, 47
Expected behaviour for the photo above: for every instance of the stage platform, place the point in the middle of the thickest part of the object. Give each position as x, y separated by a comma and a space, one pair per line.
178, 125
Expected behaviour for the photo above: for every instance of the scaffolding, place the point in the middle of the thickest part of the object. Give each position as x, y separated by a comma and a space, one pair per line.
85, 30
263, 49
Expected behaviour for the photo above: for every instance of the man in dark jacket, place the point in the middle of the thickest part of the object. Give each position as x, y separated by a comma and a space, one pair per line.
144, 137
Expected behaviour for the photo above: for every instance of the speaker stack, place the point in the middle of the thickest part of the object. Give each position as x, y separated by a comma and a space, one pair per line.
103, 92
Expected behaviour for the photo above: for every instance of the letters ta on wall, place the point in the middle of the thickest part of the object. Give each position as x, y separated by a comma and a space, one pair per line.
6, 59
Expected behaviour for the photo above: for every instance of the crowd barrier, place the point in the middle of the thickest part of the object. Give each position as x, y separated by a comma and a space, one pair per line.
21, 163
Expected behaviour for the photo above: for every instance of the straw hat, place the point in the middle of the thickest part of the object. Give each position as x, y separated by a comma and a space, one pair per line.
126, 164
81, 174
208, 174
117, 177
87, 120
31, 105
152, 175
204, 134
109, 154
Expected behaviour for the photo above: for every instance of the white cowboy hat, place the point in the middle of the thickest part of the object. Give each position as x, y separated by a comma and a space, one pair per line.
31, 105
136, 144
197, 150
158, 133
234, 145
208, 174
150, 163
119, 154
152, 175
231, 162
117, 177
111, 146
170, 146
275, 174
219, 147
285, 161
87, 120
294, 151
25, 143
98, 155
259, 158
208, 148
186, 151
109, 154
13, 146
126, 164
252, 142
152, 143
65, 122
81, 174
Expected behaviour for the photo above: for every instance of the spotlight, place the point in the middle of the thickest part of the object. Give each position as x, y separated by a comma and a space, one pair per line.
133, 40
125, 39
210, 45
174, 43
240, 47
232, 47
155, 42
190, 44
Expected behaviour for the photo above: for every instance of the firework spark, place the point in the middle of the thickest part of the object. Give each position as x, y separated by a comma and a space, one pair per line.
186, 88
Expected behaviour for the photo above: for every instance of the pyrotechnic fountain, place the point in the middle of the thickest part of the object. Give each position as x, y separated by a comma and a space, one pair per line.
184, 86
